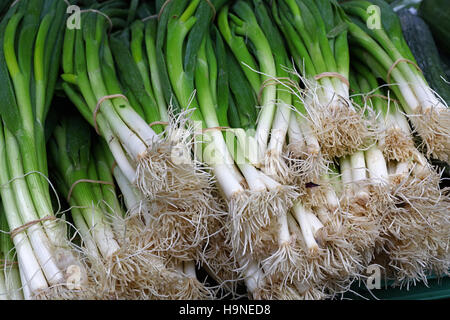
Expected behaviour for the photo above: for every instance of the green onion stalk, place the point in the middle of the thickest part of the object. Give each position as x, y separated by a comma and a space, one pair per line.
10, 275
317, 41
185, 213
118, 268
415, 210
31, 37
177, 273
386, 44
282, 256
246, 188
395, 137
92, 85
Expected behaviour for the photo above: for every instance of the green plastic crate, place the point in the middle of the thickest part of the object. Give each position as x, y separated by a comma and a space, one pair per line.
436, 289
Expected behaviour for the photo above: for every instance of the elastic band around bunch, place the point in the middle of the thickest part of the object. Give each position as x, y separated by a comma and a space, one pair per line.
88, 181
99, 103
215, 128
332, 75
382, 97
396, 63
25, 226
103, 14
154, 123
273, 81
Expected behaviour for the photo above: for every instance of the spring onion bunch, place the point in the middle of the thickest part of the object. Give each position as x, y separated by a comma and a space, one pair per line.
31, 37
418, 205
186, 208
92, 83
317, 39
118, 268
393, 58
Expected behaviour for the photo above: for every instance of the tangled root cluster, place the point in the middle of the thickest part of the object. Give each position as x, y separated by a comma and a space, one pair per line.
304, 166
397, 145
340, 129
168, 171
252, 223
417, 230
433, 127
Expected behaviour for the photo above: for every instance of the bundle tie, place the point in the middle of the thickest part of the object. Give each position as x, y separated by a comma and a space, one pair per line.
332, 75
7, 263
25, 226
103, 14
382, 97
396, 63
215, 128
274, 81
213, 8
153, 16
154, 123
86, 180
162, 8
99, 103
114, 165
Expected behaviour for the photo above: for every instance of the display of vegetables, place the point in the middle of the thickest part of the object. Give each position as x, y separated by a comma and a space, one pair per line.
188, 149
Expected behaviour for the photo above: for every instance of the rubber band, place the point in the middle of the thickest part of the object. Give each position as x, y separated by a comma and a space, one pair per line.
153, 16
396, 63
276, 81
86, 180
382, 97
103, 14
215, 128
7, 263
99, 103
25, 226
332, 75
114, 165
213, 9
154, 123
162, 8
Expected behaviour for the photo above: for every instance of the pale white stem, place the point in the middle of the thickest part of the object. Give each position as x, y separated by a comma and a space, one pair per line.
279, 129
253, 177
312, 144
295, 135
314, 222
102, 233
86, 236
270, 183
346, 172
359, 175
358, 164
402, 122
226, 180
284, 236
25, 287
300, 214
138, 125
118, 153
376, 164
403, 168
253, 276
189, 269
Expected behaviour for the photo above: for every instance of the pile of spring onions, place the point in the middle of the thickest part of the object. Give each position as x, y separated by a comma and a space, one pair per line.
189, 149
